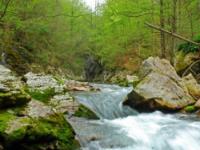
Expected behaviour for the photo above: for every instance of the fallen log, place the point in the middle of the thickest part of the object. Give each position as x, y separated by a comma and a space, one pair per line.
171, 33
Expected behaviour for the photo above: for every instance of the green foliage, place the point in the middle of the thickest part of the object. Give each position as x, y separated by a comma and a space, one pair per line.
54, 129
5, 117
190, 108
41, 95
85, 113
60, 33
189, 47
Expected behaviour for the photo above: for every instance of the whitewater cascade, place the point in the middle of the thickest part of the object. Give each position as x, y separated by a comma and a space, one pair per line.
121, 128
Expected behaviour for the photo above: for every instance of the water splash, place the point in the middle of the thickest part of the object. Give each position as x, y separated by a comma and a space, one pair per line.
153, 131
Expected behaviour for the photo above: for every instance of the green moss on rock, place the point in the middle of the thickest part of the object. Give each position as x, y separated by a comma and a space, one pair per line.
5, 117
190, 109
43, 96
16, 98
85, 112
28, 133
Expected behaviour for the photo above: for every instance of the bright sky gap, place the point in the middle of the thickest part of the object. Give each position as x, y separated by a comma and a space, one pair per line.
92, 3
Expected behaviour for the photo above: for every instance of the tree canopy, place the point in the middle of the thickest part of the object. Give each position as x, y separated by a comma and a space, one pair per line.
61, 33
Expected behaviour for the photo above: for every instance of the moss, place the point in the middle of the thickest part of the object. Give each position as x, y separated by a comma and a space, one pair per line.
36, 133
59, 80
84, 112
123, 83
5, 117
13, 99
190, 108
43, 96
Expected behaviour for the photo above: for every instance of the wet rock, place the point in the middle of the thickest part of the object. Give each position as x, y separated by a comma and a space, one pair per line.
85, 112
72, 85
160, 88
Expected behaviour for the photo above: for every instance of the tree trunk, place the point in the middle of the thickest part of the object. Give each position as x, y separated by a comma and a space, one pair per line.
162, 35
174, 29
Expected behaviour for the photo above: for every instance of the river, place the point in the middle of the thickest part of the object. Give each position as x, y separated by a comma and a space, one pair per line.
122, 128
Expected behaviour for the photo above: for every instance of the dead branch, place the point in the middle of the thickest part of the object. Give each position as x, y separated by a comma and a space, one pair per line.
172, 34
190, 68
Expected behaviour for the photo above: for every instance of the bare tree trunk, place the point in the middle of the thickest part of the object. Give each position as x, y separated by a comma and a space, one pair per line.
174, 29
190, 18
162, 35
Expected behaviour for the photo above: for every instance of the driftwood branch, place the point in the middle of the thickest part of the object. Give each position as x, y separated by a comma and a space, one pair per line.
190, 68
172, 34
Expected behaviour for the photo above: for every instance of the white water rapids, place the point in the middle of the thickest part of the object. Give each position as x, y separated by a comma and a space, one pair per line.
121, 128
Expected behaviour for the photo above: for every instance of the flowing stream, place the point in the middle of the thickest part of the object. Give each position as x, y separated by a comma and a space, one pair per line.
121, 128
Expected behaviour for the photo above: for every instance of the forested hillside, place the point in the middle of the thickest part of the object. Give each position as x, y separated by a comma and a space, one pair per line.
63, 33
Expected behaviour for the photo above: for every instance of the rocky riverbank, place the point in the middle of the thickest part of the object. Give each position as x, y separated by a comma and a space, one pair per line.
32, 111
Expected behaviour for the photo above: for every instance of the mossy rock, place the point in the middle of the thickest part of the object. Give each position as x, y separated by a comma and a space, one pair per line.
27, 133
85, 112
16, 62
13, 98
190, 109
5, 117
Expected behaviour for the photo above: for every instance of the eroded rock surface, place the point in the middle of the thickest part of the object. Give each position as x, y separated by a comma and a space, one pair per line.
35, 123
192, 86
11, 89
160, 88
72, 85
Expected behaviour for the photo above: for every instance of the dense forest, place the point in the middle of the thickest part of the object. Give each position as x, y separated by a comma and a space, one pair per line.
99, 75
63, 33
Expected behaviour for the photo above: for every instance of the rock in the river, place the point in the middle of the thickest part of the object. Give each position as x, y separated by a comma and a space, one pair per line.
11, 89
85, 112
72, 85
160, 88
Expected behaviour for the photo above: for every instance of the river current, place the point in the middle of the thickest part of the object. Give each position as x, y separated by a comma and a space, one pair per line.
122, 128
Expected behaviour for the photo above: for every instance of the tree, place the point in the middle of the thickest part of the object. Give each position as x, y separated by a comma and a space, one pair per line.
162, 34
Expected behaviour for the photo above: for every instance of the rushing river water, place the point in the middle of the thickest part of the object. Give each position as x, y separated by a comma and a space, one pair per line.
121, 128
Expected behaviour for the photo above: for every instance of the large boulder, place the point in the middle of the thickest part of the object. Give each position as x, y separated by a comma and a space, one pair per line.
40, 127
160, 88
